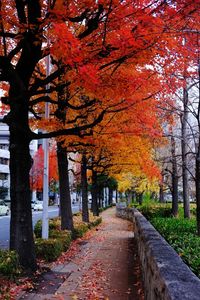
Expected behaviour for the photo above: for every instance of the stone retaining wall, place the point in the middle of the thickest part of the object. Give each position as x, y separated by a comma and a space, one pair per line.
166, 276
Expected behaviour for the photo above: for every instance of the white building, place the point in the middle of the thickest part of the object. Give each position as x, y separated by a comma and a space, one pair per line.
5, 156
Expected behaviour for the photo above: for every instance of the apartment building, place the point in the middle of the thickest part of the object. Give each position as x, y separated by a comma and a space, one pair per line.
4, 159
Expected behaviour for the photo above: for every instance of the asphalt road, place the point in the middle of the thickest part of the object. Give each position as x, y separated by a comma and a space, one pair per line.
37, 215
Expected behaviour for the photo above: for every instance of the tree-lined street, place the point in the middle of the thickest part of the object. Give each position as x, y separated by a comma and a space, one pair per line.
101, 100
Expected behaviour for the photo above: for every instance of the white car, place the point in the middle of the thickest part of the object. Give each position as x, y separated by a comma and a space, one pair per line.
4, 209
38, 206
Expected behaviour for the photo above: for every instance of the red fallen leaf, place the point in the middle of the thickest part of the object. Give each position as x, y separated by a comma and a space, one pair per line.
60, 297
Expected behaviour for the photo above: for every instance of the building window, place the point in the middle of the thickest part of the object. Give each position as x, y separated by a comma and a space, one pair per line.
3, 176
4, 161
4, 146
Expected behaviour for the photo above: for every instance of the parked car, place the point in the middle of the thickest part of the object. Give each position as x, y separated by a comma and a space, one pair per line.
4, 209
168, 197
33, 204
38, 206
192, 199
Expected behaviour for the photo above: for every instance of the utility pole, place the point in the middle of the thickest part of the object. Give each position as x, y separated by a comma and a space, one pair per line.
45, 217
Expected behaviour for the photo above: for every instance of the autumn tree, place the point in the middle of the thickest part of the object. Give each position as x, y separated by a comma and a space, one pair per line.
89, 38
36, 172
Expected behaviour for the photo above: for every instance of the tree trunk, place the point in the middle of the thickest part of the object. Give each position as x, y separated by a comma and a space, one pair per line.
153, 196
197, 182
21, 229
100, 193
18, 75
84, 185
105, 196
197, 179
94, 194
161, 194
174, 179
65, 198
110, 196
133, 196
116, 195
184, 120
140, 198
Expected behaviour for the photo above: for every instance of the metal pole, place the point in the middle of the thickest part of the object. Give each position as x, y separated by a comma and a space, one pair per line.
45, 218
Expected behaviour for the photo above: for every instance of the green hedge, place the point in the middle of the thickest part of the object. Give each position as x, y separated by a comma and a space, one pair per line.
9, 263
154, 210
49, 250
95, 222
79, 230
59, 240
54, 224
64, 236
82, 228
181, 235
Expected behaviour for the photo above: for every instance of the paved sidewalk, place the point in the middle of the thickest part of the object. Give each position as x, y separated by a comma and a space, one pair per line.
105, 267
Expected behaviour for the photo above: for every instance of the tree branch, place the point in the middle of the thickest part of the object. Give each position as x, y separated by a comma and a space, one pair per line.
70, 131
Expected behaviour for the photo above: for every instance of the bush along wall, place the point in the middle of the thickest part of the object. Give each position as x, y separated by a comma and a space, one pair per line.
180, 233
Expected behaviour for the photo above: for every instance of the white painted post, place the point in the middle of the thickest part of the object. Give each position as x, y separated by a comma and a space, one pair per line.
45, 217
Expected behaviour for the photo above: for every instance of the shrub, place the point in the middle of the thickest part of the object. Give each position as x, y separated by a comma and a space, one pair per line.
38, 229
63, 235
155, 210
54, 224
66, 241
95, 222
175, 226
79, 230
181, 235
49, 250
9, 263
77, 214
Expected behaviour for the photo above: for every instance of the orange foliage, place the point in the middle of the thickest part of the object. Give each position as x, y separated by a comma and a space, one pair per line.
37, 170
125, 57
